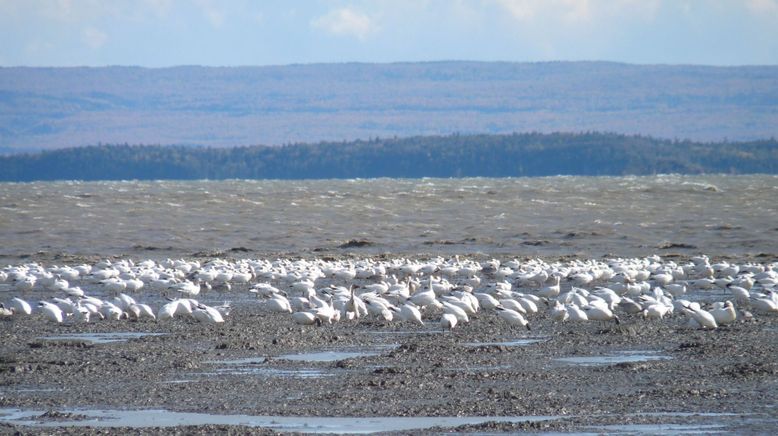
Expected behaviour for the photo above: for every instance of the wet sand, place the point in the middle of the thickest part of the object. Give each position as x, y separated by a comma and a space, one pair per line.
640, 376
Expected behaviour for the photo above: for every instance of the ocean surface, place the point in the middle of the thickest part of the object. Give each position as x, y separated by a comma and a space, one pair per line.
553, 216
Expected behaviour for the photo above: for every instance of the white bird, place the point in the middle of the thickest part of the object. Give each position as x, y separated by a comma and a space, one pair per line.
448, 321
207, 314
512, 317
559, 312
486, 301
408, 312
741, 294
20, 306
51, 311
306, 318
725, 314
278, 303
168, 311
512, 304
550, 291
141, 310
576, 314
702, 317
457, 311
600, 312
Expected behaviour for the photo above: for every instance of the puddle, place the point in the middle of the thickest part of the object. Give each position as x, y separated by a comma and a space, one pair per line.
522, 342
272, 372
99, 338
620, 357
334, 356
303, 424
405, 332
664, 429
245, 361
326, 356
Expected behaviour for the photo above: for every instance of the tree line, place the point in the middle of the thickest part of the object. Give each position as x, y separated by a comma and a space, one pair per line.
514, 155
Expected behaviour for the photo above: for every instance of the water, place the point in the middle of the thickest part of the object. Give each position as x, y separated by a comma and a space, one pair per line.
616, 357
326, 356
522, 342
99, 338
626, 216
304, 424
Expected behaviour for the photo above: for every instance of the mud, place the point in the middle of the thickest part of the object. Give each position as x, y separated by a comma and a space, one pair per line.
726, 379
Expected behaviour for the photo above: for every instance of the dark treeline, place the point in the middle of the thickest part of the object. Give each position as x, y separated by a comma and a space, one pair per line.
531, 154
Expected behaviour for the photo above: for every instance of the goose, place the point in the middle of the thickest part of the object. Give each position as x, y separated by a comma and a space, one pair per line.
763, 304
448, 321
20, 306
741, 294
114, 285
356, 305
550, 291
75, 291
600, 312
187, 287
559, 312
663, 279
133, 285
725, 314
486, 301
575, 314
111, 311
512, 304
167, 311
5, 311
82, 314
676, 289
242, 277
528, 305
654, 311
512, 317
25, 284
424, 298
139, 311
65, 305
629, 306
457, 311
704, 318
207, 314
51, 311
462, 304
306, 318
278, 304
409, 312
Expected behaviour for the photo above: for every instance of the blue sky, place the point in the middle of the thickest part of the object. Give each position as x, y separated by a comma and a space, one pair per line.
156, 33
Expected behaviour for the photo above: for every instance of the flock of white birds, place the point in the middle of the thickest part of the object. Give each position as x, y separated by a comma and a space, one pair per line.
445, 291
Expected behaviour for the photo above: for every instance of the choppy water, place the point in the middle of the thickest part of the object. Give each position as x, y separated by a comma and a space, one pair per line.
626, 216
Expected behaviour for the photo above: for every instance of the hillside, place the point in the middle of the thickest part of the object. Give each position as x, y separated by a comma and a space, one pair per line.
434, 156
47, 108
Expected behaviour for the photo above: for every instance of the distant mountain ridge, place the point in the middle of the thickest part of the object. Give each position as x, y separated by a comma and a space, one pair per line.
531, 154
47, 108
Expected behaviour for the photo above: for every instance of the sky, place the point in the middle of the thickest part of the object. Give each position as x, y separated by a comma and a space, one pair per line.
159, 33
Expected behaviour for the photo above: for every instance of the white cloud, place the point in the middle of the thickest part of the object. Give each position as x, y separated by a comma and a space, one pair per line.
213, 14
346, 22
521, 10
763, 6
578, 11
94, 38
158, 8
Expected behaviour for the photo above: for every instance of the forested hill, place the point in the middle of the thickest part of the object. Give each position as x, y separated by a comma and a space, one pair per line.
46, 108
530, 154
